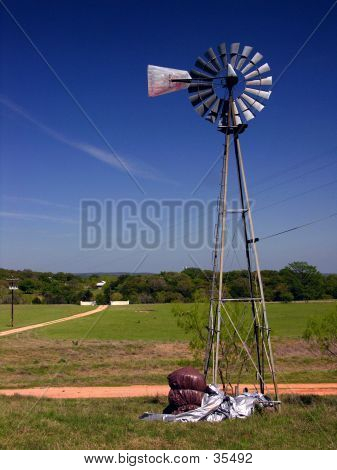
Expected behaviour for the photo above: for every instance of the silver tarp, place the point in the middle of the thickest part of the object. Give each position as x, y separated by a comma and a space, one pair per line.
216, 407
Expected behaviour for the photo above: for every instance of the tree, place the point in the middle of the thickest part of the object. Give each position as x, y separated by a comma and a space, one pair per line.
331, 285
233, 358
193, 320
28, 286
86, 295
303, 280
106, 295
116, 296
282, 293
239, 288
322, 333
100, 299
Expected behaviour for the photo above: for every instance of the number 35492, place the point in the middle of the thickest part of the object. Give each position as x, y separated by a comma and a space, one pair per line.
228, 457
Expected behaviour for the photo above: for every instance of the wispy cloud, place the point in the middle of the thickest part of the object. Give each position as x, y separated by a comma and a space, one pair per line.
91, 150
32, 217
39, 202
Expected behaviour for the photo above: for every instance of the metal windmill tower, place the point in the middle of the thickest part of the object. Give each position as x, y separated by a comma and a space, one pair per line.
228, 89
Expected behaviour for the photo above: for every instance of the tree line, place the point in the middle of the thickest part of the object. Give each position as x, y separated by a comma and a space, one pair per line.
297, 281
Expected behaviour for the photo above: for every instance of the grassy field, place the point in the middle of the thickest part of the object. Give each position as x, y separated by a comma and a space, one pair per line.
31, 362
155, 322
141, 344
29, 314
305, 423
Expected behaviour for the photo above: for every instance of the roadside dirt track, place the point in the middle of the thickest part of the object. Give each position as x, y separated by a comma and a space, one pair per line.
13, 331
152, 390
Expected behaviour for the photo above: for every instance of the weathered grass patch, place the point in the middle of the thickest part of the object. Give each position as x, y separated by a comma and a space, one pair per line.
32, 362
25, 423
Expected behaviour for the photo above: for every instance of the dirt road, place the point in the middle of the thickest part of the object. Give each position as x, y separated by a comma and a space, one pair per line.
13, 331
151, 390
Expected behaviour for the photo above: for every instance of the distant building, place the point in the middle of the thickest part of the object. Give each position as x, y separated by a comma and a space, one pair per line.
89, 302
120, 302
100, 284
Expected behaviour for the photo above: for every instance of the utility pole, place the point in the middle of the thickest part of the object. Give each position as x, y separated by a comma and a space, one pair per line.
12, 287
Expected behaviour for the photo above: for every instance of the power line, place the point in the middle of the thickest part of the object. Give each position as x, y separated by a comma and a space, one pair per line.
315, 188
299, 164
299, 226
295, 178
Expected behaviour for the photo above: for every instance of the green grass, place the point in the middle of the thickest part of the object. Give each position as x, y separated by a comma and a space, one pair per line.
30, 314
289, 320
156, 322
141, 344
134, 322
25, 423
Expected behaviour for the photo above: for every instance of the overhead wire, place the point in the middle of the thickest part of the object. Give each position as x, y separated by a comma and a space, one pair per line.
297, 227
315, 188
295, 178
293, 167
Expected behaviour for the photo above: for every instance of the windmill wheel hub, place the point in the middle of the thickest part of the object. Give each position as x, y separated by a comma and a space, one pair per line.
230, 82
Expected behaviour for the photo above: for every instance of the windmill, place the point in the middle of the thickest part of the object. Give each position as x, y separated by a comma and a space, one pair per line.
229, 89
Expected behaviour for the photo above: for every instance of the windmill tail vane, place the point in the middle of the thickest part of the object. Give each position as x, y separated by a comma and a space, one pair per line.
229, 88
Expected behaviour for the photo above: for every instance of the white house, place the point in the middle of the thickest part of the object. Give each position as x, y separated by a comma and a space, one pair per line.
100, 284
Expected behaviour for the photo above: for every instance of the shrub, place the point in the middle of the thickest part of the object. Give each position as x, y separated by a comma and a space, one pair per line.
322, 333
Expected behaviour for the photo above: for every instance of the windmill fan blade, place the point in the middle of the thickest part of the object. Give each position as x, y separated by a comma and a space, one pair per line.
194, 87
245, 53
195, 99
248, 115
210, 54
252, 102
234, 52
203, 65
263, 94
159, 80
197, 74
263, 69
205, 106
223, 53
253, 61
242, 105
208, 103
237, 118
214, 112
262, 81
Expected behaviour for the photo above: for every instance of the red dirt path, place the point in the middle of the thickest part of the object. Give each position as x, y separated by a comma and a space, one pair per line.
152, 390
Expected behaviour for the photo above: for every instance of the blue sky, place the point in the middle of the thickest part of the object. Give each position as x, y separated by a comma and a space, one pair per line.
52, 157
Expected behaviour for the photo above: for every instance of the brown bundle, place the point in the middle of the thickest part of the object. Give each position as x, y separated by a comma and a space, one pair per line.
187, 390
187, 378
179, 398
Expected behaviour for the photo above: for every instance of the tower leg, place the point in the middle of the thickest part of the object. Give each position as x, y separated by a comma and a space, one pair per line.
266, 329
244, 208
223, 216
209, 353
